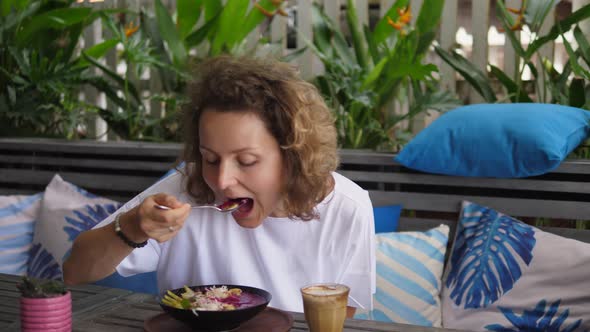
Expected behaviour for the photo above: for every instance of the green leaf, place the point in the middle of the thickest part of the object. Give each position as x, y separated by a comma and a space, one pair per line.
170, 35
293, 55
252, 20
476, 78
573, 60
188, 13
563, 25
358, 42
198, 36
577, 95
429, 16
212, 9
536, 12
383, 30
583, 45
233, 13
322, 31
115, 77
97, 51
54, 19
375, 73
515, 91
372, 46
338, 42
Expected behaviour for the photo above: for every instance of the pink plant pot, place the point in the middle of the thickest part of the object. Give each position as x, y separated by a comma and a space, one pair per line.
46, 314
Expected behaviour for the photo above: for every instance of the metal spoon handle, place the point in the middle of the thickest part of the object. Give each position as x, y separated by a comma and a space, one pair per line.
164, 207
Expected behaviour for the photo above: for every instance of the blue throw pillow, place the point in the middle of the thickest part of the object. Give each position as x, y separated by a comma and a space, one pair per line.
386, 218
497, 140
18, 215
409, 268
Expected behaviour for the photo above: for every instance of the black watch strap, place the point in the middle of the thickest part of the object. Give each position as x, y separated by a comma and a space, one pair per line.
123, 237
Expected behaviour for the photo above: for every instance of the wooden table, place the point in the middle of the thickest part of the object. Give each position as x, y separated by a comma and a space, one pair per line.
98, 309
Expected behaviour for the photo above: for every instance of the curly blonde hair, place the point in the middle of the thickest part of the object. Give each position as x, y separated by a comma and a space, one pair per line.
293, 111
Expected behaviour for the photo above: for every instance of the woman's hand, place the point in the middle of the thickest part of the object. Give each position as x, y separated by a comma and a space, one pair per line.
161, 225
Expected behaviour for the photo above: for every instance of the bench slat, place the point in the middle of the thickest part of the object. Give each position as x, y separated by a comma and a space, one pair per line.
511, 206
441, 180
102, 164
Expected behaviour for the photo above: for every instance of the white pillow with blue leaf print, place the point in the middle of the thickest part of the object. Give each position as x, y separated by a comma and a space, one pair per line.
66, 211
505, 275
409, 272
18, 215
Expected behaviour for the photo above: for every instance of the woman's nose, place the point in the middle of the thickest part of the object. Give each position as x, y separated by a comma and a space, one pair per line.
226, 177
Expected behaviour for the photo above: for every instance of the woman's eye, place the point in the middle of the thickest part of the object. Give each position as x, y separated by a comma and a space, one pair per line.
247, 163
211, 161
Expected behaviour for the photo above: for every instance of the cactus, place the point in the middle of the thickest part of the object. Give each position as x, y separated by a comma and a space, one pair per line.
38, 288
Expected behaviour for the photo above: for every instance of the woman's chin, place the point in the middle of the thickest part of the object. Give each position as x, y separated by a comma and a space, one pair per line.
249, 223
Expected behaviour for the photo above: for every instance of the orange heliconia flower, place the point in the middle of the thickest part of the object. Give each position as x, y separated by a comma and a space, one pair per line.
263, 11
395, 25
520, 18
405, 15
131, 29
269, 14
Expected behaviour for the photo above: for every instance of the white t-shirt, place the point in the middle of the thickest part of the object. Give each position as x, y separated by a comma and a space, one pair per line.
281, 255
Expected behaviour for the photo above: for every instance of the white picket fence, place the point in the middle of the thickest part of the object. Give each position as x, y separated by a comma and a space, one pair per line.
464, 22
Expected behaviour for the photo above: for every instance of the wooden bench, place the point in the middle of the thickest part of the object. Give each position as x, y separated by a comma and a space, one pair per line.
120, 170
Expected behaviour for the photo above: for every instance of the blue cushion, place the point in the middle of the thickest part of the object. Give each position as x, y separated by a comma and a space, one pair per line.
505, 275
497, 140
18, 215
65, 212
386, 218
409, 272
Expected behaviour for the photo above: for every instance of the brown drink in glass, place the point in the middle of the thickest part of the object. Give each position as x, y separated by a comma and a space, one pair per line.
324, 306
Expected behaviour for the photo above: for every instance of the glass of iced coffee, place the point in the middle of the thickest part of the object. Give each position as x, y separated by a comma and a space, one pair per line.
324, 306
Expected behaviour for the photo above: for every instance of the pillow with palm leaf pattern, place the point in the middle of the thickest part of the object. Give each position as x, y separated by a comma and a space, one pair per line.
505, 275
66, 211
409, 272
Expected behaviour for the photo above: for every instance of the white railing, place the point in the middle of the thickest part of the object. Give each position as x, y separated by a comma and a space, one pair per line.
464, 22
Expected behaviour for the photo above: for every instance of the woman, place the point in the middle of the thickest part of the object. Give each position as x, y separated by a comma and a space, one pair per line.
253, 131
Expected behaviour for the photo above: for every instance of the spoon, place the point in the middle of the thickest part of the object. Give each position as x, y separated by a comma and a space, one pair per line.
228, 206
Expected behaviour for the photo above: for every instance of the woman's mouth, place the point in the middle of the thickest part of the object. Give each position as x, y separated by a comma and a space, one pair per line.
244, 208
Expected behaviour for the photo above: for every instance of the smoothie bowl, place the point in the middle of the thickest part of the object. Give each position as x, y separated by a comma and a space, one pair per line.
214, 307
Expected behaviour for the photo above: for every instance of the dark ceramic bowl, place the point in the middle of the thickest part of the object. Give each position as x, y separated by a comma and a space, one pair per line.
207, 320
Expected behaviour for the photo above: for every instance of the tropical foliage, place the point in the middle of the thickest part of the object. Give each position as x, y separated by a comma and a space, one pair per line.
167, 43
383, 64
41, 71
549, 85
